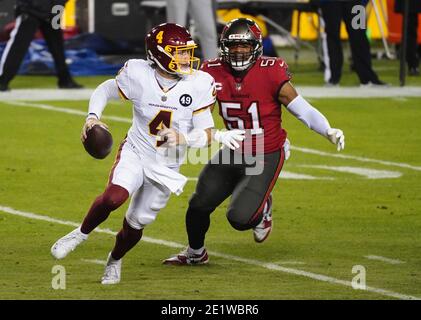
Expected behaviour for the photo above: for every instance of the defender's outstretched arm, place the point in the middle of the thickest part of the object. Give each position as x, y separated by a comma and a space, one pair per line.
309, 115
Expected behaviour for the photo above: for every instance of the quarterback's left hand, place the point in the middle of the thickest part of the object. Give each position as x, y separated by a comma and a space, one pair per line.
170, 136
336, 136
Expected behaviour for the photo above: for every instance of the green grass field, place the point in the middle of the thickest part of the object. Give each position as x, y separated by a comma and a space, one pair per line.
323, 226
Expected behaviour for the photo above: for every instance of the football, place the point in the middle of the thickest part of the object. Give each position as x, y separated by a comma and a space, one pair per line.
98, 142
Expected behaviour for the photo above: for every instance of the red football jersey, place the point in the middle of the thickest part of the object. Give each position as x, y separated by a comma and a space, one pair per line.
251, 102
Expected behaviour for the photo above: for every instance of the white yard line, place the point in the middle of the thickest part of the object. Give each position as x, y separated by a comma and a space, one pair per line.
362, 159
299, 149
270, 266
286, 175
384, 259
367, 173
289, 262
95, 261
306, 91
63, 110
46, 94
300, 176
359, 92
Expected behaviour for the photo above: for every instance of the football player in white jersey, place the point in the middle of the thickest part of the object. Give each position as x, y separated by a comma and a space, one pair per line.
171, 111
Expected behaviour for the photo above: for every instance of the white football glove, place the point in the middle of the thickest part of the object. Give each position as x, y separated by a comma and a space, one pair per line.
336, 136
286, 147
230, 138
89, 123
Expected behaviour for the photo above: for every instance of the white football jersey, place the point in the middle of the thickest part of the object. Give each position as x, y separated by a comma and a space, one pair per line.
184, 107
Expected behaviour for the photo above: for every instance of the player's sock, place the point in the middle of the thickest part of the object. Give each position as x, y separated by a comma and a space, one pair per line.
126, 239
113, 197
197, 223
196, 251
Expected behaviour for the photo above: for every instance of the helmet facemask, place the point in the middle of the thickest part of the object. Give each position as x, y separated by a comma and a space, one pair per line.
183, 61
240, 59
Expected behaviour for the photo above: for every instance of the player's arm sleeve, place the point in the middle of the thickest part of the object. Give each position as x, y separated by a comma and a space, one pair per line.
203, 119
123, 82
200, 136
202, 116
105, 91
309, 115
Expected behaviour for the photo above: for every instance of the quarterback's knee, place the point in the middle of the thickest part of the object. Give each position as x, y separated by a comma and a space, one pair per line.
146, 220
114, 196
138, 220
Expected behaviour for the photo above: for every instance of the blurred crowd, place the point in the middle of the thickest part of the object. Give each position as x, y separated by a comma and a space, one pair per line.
205, 18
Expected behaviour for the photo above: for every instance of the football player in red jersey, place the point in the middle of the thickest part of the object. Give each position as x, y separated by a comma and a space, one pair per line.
250, 92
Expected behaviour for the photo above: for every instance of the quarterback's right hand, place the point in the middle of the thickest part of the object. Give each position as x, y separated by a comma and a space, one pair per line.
230, 138
89, 123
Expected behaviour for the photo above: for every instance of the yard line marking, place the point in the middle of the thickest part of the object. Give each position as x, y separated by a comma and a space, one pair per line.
300, 149
95, 261
400, 99
384, 259
286, 175
64, 110
299, 176
354, 92
35, 216
270, 266
289, 262
368, 173
362, 159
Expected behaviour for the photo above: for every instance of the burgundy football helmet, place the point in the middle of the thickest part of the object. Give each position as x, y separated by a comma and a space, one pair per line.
241, 31
171, 47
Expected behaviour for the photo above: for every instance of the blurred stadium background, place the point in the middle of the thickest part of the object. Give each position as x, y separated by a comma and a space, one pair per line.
331, 211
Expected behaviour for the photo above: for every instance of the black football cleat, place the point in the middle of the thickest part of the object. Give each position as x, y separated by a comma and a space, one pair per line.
414, 72
4, 87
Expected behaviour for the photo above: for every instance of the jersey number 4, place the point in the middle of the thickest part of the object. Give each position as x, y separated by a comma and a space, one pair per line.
252, 121
162, 118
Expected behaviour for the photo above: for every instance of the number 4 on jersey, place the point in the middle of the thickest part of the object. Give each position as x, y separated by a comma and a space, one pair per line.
162, 118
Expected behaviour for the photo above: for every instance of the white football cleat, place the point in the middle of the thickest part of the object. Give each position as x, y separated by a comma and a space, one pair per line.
112, 273
68, 243
263, 229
